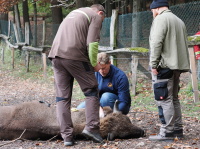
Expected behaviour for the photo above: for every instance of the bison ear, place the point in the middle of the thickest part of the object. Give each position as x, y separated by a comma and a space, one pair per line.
116, 108
101, 112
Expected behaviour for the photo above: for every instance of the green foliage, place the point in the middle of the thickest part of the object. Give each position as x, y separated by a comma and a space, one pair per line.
139, 49
43, 8
193, 38
67, 11
144, 99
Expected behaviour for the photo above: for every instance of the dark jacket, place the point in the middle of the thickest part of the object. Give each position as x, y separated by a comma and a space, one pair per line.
115, 82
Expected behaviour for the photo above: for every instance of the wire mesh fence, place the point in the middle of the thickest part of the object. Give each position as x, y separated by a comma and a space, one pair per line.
124, 61
132, 28
136, 26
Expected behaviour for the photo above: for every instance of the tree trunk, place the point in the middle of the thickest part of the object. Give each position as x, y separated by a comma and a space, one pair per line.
95, 1
18, 22
130, 6
135, 24
80, 3
25, 11
26, 17
108, 8
35, 24
57, 16
144, 8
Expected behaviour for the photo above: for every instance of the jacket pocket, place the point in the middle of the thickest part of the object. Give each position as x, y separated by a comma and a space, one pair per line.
160, 90
164, 73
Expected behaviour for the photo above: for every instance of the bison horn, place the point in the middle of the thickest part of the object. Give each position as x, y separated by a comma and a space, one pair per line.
115, 108
101, 112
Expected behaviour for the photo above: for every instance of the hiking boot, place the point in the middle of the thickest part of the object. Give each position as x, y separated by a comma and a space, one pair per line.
94, 136
160, 138
178, 133
69, 143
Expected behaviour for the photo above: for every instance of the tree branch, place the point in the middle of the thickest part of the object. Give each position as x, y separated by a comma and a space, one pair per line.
14, 140
63, 3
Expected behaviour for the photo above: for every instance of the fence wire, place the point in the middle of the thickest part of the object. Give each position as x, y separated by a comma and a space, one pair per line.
132, 29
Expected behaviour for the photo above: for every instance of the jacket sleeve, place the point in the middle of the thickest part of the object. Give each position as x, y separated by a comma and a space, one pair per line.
93, 51
157, 35
123, 90
93, 39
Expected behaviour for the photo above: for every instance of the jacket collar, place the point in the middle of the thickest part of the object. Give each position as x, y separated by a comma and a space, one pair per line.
165, 11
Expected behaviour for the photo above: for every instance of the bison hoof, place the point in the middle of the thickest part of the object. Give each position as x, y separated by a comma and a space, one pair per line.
143, 133
111, 136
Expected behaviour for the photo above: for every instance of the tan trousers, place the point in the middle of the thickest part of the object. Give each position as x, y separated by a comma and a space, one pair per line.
65, 71
170, 108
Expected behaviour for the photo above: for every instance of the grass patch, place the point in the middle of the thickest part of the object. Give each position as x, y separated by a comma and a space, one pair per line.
139, 49
144, 99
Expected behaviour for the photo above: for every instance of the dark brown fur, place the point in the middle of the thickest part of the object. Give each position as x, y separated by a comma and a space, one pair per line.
40, 122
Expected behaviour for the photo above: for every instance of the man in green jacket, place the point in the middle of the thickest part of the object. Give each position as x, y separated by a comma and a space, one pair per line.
168, 59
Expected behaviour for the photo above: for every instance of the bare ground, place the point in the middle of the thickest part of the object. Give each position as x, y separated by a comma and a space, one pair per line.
15, 90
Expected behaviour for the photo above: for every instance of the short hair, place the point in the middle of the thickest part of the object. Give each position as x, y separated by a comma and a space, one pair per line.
103, 58
98, 7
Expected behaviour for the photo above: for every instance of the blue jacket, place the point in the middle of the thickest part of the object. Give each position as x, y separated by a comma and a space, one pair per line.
115, 82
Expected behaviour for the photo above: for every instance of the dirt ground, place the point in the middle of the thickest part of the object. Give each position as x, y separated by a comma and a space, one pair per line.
14, 91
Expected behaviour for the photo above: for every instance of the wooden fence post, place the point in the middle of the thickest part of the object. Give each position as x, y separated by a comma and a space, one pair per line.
113, 30
13, 58
44, 33
44, 59
27, 31
27, 60
193, 75
9, 28
2, 55
113, 60
16, 33
134, 65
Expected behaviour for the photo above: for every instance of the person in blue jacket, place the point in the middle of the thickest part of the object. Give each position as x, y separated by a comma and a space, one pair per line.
112, 84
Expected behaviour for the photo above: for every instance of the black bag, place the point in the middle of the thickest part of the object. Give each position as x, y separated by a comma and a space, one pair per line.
164, 73
160, 90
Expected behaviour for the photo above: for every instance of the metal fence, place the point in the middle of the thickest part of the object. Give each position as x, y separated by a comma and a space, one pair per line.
128, 25
188, 12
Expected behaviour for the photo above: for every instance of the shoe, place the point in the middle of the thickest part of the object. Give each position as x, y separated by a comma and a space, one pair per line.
178, 133
70, 143
160, 138
94, 136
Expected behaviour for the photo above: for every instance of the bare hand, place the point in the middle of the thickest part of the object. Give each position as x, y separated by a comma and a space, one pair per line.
154, 71
97, 67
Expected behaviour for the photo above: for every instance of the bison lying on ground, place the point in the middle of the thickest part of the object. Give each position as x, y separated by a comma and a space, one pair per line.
40, 122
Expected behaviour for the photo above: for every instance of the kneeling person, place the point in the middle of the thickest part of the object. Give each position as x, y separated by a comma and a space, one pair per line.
112, 84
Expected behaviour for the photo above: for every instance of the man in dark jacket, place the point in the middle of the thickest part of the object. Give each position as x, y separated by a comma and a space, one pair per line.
73, 54
112, 84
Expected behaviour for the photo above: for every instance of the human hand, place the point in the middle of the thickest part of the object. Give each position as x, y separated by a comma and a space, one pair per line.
97, 67
154, 71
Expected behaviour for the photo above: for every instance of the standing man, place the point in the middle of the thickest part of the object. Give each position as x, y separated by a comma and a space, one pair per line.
113, 85
74, 56
168, 58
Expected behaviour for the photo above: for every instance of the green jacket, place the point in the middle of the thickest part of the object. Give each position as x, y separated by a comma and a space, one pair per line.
168, 42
